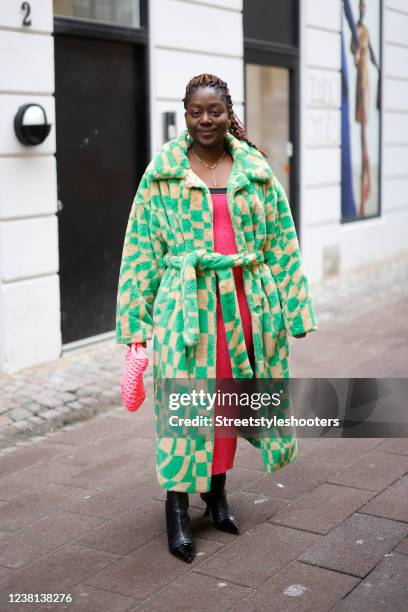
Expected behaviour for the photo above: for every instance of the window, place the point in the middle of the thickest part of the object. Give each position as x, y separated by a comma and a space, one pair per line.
118, 12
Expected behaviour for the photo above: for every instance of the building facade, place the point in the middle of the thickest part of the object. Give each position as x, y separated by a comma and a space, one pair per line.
110, 77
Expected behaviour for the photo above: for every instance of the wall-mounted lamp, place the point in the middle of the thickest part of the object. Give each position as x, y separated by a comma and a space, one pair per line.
30, 124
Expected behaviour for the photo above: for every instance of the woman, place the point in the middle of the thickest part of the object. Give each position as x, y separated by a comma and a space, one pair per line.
218, 312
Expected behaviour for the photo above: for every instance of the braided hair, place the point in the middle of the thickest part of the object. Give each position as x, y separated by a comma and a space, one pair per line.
210, 80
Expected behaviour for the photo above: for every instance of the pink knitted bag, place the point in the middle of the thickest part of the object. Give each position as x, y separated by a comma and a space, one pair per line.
133, 391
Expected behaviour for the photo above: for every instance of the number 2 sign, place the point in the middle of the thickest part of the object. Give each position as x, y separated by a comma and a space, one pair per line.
27, 8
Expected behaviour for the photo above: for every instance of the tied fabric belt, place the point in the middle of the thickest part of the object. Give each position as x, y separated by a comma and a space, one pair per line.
223, 266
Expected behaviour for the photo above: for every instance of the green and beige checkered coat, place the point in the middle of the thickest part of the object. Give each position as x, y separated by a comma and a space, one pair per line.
168, 260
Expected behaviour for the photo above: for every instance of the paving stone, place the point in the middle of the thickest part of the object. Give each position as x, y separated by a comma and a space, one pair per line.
5, 571
19, 414
294, 480
86, 598
198, 592
51, 415
35, 421
20, 458
357, 545
299, 588
147, 570
25, 510
90, 401
128, 531
250, 510
373, 471
5, 421
343, 452
75, 405
67, 397
385, 588
55, 573
394, 445
402, 547
391, 503
31, 479
43, 536
103, 474
258, 555
48, 401
104, 448
96, 428
119, 497
323, 508
305, 444
20, 426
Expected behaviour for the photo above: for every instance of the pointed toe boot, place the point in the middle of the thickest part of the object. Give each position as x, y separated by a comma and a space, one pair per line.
179, 535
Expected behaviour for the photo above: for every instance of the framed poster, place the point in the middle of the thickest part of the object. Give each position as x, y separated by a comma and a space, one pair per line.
361, 109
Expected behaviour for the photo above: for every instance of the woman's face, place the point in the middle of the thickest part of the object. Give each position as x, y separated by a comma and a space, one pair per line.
207, 117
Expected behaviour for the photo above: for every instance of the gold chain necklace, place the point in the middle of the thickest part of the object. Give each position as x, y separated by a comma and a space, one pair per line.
209, 166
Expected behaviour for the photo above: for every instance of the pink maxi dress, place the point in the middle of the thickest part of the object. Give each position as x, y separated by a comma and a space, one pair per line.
224, 242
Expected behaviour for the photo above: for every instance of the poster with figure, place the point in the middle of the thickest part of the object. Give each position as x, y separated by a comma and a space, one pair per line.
360, 108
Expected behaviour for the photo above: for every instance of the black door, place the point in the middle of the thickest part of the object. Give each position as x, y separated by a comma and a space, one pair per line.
100, 101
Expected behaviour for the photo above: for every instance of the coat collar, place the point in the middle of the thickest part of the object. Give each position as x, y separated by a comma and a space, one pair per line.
171, 161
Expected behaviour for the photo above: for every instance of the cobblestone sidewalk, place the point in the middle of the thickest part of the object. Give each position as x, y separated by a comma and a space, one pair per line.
80, 384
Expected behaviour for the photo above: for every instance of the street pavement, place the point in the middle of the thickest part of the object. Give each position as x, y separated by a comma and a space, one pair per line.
82, 513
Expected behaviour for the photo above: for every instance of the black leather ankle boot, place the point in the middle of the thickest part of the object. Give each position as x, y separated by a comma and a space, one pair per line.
179, 535
217, 505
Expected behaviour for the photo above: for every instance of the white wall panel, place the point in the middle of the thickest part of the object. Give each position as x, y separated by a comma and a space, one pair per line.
396, 62
317, 241
176, 68
8, 140
395, 195
323, 49
323, 127
323, 13
399, 5
31, 324
323, 88
12, 15
26, 62
395, 161
321, 205
322, 166
30, 248
396, 28
396, 128
28, 187
197, 27
395, 95
388, 231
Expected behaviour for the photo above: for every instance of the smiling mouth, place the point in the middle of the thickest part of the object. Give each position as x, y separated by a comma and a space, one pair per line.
207, 132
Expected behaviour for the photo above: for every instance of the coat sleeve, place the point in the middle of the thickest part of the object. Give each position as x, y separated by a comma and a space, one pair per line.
281, 250
141, 269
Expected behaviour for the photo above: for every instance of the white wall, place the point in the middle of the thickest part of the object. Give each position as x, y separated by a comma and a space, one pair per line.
189, 37
329, 246
29, 287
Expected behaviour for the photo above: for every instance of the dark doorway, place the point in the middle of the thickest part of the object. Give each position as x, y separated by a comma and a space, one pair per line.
100, 97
